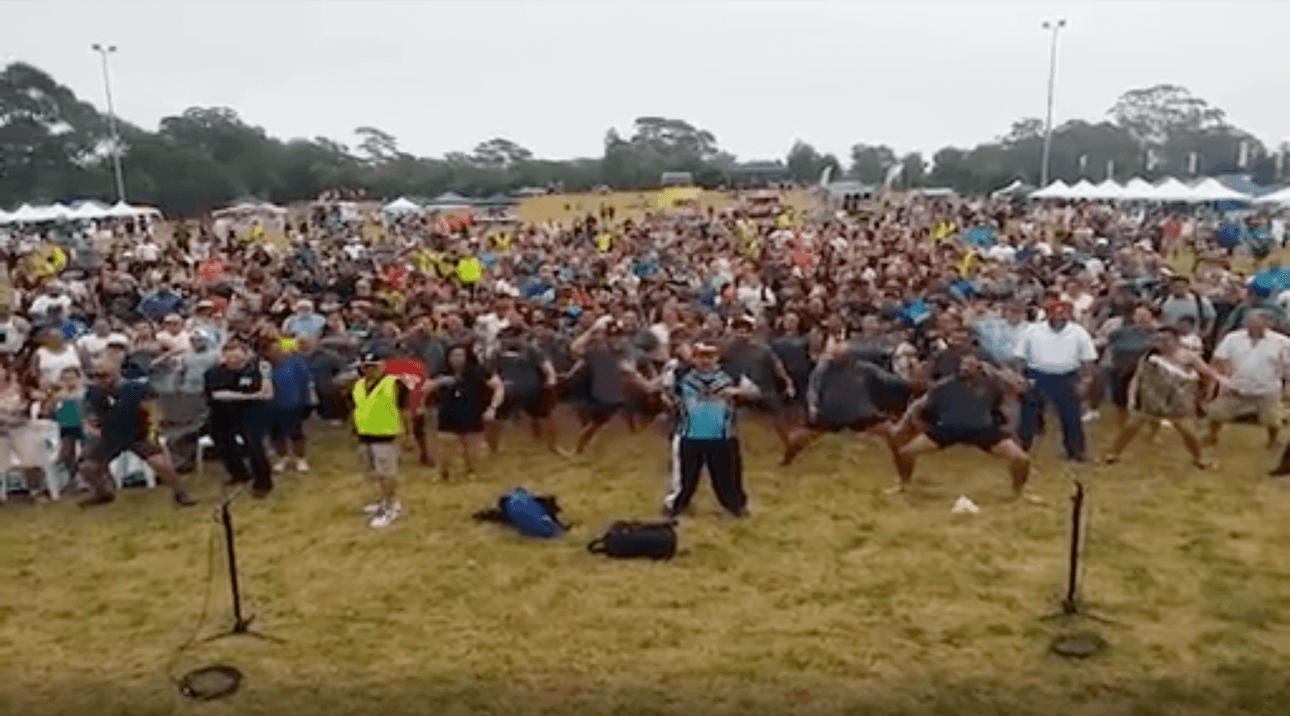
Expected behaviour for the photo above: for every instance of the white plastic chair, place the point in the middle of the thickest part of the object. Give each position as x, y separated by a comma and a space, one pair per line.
127, 465
56, 478
204, 443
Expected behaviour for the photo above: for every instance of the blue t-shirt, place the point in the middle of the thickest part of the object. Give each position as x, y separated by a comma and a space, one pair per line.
702, 414
291, 382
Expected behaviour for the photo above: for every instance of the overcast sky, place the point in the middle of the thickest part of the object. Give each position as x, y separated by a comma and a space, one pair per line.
554, 76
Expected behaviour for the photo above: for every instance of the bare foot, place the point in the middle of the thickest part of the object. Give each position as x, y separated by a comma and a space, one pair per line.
895, 489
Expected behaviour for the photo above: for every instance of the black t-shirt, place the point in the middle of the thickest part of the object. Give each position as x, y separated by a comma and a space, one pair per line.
247, 379
520, 367
964, 405
607, 383
752, 359
118, 412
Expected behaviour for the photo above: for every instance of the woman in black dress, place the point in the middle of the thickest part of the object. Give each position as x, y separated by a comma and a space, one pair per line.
467, 397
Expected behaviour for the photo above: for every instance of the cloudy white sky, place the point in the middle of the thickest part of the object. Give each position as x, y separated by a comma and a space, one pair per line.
554, 76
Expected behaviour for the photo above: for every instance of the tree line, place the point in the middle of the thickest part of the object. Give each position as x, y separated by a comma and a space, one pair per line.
56, 147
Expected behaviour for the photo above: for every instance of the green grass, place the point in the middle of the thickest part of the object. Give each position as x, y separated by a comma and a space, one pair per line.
831, 599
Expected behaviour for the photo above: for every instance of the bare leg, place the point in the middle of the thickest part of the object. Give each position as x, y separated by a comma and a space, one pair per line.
1212, 438
166, 474
589, 432
493, 435
465, 440
1018, 464
906, 458
1130, 429
798, 441
546, 427
1192, 443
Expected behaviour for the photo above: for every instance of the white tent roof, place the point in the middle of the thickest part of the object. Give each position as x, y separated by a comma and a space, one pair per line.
1138, 188
1056, 190
1212, 189
1108, 189
1276, 197
90, 210
401, 205
449, 199
1172, 190
4, 217
1083, 189
120, 210
250, 207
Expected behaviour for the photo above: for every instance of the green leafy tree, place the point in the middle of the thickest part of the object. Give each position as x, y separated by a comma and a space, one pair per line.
869, 163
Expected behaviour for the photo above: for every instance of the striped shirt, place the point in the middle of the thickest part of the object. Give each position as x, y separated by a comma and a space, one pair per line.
701, 413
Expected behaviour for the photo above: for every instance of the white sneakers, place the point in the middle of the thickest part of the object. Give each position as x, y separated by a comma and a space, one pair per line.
382, 515
281, 465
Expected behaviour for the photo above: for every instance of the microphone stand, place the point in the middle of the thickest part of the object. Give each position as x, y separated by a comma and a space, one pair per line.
241, 624
1070, 605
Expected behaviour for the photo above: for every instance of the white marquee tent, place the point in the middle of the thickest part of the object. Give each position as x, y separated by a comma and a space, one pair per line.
1212, 189
1083, 189
1138, 188
1108, 189
402, 205
85, 211
1172, 190
1276, 197
1057, 190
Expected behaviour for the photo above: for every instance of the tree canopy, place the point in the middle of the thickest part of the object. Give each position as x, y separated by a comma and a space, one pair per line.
56, 147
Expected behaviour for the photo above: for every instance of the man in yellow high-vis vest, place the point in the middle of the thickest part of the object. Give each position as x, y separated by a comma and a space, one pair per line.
381, 418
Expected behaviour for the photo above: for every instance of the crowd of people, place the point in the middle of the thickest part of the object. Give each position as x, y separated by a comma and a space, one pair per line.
927, 322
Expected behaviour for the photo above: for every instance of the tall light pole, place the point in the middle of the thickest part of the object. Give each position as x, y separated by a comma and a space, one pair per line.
116, 140
1054, 28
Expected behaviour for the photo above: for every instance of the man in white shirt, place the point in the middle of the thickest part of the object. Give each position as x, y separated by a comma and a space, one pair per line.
1256, 361
51, 296
93, 344
1057, 357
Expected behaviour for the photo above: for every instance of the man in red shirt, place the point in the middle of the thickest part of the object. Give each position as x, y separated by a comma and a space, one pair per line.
412, 373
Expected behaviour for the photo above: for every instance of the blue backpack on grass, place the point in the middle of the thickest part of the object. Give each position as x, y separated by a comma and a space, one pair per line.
531, 515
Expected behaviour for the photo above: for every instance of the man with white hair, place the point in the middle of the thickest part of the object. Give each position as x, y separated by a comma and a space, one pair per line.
304, 321
1256, 361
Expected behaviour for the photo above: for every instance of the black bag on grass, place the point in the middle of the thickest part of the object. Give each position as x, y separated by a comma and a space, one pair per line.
628, 540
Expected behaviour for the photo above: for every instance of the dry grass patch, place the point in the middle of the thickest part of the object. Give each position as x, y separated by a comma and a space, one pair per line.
831, 599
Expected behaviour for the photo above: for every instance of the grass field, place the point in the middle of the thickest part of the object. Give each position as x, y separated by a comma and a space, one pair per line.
831, 599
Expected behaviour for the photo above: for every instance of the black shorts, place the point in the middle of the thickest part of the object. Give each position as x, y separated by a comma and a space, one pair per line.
73, 433
859, 425
537, 405
103, 451
285, 423
986, 438
769, 403
594, 411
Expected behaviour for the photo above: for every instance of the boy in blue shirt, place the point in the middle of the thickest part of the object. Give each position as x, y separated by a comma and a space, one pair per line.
703, 397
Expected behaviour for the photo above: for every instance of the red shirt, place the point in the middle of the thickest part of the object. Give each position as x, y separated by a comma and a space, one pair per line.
413, 374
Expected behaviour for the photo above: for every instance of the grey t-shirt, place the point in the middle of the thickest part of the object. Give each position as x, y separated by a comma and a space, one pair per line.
1174, 309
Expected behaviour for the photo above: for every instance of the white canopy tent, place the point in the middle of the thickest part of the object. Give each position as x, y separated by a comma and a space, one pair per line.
1056, 190
402, 205
250, 207
1277, 197
1212, 189
1108, 189
1083, 189
1137, 188
90, 210
1172, 190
